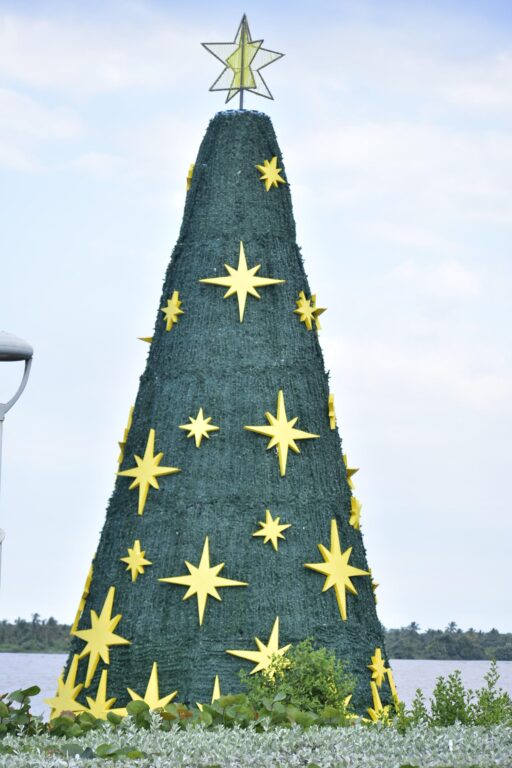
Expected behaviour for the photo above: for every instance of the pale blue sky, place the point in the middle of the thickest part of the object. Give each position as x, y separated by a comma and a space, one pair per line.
394, 122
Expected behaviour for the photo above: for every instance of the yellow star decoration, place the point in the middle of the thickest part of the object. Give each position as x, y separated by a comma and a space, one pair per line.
337, 570
122, 443
378, 667
147, 470
282, 433
263, 656
392, 686
99, 706
350, 471
331, 411
83, 600
135, 560
199, 427
270, 173
190, 175
172, 311
375, 585
377, 712
216, 694
152, 695
242, 281
67, 691
203, 580
100, 636
308, 311
147, 339
355, 513
271, 529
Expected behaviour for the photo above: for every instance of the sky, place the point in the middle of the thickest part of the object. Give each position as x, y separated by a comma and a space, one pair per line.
394, 122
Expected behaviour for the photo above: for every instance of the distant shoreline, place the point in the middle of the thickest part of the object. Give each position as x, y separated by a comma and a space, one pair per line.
47, 636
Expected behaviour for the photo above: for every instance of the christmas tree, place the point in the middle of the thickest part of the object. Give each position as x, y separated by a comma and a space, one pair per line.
232, 531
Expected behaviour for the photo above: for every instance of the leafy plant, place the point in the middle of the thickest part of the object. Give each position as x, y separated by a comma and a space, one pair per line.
451, 702
493, 705
311, 679
15, 715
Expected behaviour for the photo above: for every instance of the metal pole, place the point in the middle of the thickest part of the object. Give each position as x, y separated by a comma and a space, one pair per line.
242, 65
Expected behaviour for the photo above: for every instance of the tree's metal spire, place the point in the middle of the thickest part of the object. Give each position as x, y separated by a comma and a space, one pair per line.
243, 59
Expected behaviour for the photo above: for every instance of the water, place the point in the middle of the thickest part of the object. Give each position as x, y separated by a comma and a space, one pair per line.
21, 670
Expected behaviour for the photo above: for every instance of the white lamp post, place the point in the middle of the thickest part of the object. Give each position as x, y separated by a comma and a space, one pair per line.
11, 349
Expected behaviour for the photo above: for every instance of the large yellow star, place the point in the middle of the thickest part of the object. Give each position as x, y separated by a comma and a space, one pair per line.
172, 311
67, 691
270, 173
147, 470
203, 580
308, 311
199, 427
242, 281
378, 667
377, 712
337, 570
100, 706
100, 636
271, 529
263, 656
282, 433
135, 560
152, 695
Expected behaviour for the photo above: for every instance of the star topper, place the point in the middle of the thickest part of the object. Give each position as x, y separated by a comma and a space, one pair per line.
243, 59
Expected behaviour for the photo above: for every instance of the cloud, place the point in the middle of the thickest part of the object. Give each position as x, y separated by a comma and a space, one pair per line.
448, 280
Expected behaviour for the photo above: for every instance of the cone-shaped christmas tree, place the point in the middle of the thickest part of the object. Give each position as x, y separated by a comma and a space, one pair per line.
232, 531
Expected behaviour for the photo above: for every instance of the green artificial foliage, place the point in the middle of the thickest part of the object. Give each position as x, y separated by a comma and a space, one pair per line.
234, 371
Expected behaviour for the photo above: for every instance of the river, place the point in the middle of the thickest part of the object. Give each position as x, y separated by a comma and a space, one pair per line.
21, 670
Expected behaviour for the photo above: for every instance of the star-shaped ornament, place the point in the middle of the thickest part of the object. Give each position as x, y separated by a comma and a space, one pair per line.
83, 600
270, 173
199, 427
147, 339
67, 691
122, 443
203, 580
377, 712
331, 411
216, 694
271, 529
378, 667
172, 310
100, 706
375, 585
350, 471
100, 636
243, 281
337, 570
243, 59
263, 656
147, 470
152, 695
355, 513
308, 311
135, 560
282, 433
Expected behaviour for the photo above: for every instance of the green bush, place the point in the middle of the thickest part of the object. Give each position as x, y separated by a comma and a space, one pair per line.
15, 715
308, 678
493, 706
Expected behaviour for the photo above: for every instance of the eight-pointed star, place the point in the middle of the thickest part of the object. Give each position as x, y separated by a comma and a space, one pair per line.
337, 570
271, 529
263, 656
199, 427
242, 281
282, 433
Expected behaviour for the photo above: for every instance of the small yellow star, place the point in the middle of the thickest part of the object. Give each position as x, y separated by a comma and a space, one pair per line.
378, 667
216, 694
377, 712
172, 311
242, 281
271, 529
282, 433
375, 585
199, 427
263, 656
355, 513
350, 471
100, 706
308, 311
203, 580
67, 691
147, 470
152, 695
100, 636
135, 560
331, 411
392, 686
122, 443
83, 600
270, 173
147, 339
337, 570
